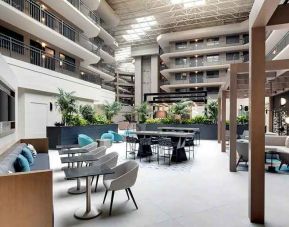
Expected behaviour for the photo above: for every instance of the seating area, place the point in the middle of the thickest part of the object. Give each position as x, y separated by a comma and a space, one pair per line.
143, 113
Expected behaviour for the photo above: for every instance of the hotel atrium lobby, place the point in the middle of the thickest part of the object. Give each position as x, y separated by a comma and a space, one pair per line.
144, 113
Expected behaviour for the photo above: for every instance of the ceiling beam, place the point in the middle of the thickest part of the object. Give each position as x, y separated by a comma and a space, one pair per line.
280, 18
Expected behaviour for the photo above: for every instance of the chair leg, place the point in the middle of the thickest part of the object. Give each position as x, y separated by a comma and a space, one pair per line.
92, 180
127, 194
281, 164
132, 198
239, 161
111, 202
104, 196
96, 183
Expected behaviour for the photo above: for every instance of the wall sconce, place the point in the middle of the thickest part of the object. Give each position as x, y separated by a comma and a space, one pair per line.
283, 101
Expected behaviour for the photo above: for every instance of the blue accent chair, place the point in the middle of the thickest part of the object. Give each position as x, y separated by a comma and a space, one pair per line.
117, 137
84, 140
129, 133
107, 136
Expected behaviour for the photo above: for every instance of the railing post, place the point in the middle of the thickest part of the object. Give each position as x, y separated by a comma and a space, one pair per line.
10, 47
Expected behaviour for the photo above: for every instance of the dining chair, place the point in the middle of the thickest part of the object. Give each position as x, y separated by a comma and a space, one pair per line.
165, 149
110, 160
190, 144
124, 178
145, 142
131, 146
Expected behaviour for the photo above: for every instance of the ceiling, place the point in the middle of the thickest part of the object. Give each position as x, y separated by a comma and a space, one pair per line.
172, 15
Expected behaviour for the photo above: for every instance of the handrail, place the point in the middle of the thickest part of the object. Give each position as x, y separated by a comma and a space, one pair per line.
17, 49
284, 42
48, 19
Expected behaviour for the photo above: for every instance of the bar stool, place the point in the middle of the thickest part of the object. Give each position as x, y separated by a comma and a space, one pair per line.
145, 142
131, 146
190, 144
165, 146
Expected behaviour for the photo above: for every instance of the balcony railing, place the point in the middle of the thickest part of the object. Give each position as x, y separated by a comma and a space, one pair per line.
209, 45
48, 19
18, 50
279, 47
206, 63
85, 10
198, 80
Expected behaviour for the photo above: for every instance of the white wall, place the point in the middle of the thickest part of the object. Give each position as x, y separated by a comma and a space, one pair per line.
36, 85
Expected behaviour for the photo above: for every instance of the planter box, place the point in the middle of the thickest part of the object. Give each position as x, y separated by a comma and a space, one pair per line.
68, 134
208, 132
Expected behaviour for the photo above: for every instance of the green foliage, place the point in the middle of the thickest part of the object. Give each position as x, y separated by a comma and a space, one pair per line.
168, 120
243, 119
87, 112
199, 119
100, 119
142, 111
211, 111
153, 121
181, 108
66, 103
111, 109
77, 120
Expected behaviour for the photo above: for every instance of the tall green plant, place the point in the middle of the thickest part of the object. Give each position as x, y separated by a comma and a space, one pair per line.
142, 111
181, 108
66, 103
111, 109
211, 111
87, 112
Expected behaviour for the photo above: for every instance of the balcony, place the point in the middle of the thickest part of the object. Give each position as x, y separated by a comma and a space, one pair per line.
15, 49
210, 45
44, 17
279, 47
200, 63
196, 80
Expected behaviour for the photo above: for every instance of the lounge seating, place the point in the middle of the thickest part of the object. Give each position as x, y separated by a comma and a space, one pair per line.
116, 137
123, 179
110, 160
84, 140
107, 136
32, 190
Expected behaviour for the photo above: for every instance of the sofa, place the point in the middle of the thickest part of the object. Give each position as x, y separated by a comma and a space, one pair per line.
273, 143
26, 197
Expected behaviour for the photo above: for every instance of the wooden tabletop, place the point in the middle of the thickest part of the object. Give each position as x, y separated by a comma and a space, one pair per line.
165, 134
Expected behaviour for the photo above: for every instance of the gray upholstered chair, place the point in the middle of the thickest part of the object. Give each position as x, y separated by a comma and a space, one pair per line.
243, 150
110, 160
123, 179
284, 159
98, 152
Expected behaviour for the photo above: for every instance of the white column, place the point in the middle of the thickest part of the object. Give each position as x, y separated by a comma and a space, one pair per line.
154, 73
138, 80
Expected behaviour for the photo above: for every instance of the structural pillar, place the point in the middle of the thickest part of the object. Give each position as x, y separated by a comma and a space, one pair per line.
257, 79
223, 122
219, 120
270, 126
233, 119
138, 80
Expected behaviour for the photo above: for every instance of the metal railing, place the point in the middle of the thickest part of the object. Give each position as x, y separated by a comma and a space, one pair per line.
206, 63
209, 45
197, 80
18, 50
279, 47
48, 19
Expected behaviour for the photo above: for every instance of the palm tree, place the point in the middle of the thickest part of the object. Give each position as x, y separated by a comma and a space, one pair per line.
142, 111
111, 109
180, 109
67, 105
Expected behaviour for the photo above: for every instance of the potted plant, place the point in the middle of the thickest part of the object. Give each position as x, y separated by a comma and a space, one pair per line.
142, 111
180, 109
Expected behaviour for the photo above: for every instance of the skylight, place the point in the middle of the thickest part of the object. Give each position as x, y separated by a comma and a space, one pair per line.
143, 24
189, 3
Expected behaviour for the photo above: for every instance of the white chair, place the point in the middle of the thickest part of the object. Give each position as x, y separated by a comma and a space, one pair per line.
124, 178
110, 160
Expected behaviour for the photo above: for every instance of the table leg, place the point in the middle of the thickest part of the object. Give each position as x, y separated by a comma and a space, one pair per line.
78, 189
88, 212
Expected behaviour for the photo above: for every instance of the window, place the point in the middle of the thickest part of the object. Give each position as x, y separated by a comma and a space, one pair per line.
246, 38
196, 61
213, 41
245, 56
181, 61
11, 40
181, 45
212, 74
180, 76
212, 58
231, 39
196, 77
232, 56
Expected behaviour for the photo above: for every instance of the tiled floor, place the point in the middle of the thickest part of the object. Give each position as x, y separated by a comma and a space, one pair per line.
201, 192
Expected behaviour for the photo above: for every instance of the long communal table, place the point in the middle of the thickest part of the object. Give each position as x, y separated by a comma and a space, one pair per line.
178, 138
197, 131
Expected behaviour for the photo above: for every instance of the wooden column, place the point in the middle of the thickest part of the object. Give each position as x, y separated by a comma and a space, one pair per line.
270, 126
256, 125
233, 119
223, 122
219, 120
